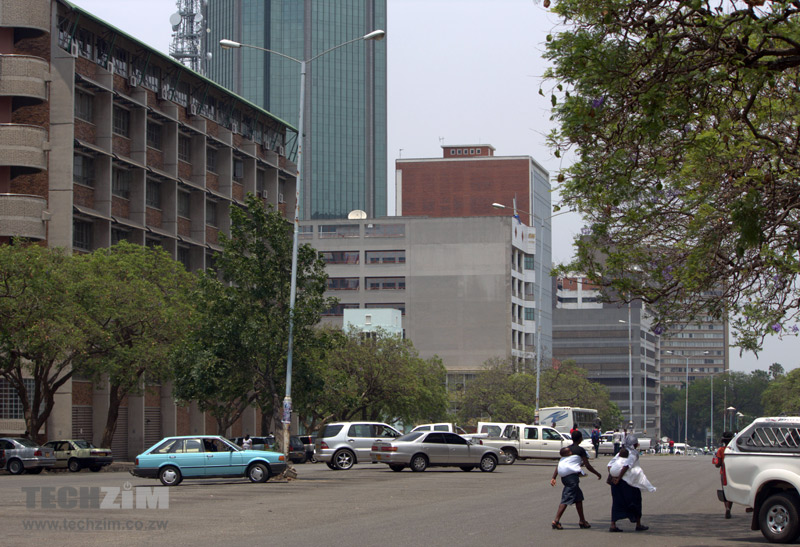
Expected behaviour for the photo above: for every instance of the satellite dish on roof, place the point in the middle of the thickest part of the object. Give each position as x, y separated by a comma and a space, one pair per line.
357, 214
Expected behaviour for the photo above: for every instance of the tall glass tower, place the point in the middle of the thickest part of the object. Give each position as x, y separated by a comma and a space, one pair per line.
344, 156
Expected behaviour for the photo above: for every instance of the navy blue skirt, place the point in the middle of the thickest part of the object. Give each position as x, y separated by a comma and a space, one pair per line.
572, 491
626, 502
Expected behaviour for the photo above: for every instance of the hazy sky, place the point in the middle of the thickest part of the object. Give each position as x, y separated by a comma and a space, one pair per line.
460, 72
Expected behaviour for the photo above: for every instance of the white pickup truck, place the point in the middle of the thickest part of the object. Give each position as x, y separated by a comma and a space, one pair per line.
448, 427
522, 441
762, 472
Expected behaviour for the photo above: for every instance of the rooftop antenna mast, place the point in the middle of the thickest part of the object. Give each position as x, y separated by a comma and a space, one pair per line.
189, 29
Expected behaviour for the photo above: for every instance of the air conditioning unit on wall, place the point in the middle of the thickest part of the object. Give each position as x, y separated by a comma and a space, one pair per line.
281, 151
74, 48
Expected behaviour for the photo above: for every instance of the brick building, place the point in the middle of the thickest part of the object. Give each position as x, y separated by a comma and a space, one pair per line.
103, 138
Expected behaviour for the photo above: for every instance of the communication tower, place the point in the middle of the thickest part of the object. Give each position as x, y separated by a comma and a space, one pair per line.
189, 34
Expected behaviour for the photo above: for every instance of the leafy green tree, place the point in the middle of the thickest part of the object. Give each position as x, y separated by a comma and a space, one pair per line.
682, 118
374, 376
782, 396
42, 328
776, 370
501, 393
137, 301
251, 308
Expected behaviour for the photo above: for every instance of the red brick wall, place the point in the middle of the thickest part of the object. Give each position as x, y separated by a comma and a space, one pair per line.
81, 393
38, 46
453, 188
237, 140
236, 428
153, 217
184, 227
182, 421
121, 146
35, 184
155, 158
212, 181
212, 128
37, 114
184, 170
152, 396
211, 234
83, 195
85, 131
120, 207
238, 191
211, 424
86, 67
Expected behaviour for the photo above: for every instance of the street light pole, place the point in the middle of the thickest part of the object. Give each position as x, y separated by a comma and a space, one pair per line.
375, 35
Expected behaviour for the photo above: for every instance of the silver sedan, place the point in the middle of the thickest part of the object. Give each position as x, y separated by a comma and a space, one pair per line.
422, 449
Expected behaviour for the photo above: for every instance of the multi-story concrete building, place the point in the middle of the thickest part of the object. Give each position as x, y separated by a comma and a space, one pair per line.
344, 155
615, 344
703, 345
465, 286
104, 138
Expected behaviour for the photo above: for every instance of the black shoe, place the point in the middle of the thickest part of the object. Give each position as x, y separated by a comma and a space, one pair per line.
642, 528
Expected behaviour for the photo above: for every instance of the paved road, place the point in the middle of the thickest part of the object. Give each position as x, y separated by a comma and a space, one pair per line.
371, 505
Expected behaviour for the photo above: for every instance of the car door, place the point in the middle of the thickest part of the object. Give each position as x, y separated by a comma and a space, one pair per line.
530, 445
458, 450
552, 441
222, 459
187, 454
435, 447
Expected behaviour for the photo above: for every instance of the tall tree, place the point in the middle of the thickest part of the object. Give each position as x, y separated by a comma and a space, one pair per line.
373, 376
782, 396
137, 300
42, 328
253, 308
682, 115
501, 393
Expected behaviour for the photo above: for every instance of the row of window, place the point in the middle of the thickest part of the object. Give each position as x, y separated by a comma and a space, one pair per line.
371, 257
330, 231
464, 151
338, 310
370, 283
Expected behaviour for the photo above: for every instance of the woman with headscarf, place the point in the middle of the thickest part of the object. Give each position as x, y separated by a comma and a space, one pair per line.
627, 481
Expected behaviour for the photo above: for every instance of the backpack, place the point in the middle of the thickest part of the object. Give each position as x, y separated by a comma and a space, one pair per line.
595, 437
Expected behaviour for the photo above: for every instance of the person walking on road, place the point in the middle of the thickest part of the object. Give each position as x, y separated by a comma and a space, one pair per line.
719, 461
626, 491
572, 493
617, 440
247, 443
596, 441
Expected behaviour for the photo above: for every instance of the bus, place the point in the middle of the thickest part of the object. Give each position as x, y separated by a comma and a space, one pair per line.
562, 418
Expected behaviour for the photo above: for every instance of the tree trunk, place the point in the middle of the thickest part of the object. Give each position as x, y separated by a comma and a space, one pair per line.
114, 402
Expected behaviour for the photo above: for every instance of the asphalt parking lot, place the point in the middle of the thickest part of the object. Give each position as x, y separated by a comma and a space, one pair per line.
368, 505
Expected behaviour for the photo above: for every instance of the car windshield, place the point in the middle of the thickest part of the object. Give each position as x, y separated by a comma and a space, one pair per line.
83, 444
411, 436
27, 443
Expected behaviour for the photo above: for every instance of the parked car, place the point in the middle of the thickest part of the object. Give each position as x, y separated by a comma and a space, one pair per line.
203, 456
297, 450
308, 442
762, 472
521, 441
75, 454
343, 444
23, 455
422, 449
450, 428
259, 443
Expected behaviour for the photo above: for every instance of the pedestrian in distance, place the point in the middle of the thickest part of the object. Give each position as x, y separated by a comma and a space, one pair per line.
569, 468
574, 429
719, 461
616, 438
596, 441
627, 481
247, 443
671, 446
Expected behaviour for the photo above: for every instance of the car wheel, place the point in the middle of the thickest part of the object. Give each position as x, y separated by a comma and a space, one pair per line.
313, 459
344, 460
778, 518
170, 476
419, 463
73, 465
35, 470
331, 466
258, 472
510, 456
95, 468
394, 467
15, 467
488, 463
467, 468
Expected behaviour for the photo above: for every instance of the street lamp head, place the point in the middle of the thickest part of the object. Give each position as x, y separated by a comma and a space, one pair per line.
499, 206
229, 44
375, 35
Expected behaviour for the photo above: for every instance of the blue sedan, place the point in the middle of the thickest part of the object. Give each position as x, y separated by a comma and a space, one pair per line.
205, 456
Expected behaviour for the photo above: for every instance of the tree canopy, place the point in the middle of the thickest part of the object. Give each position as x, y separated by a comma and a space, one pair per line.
682, 116
373, 376
502, 394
